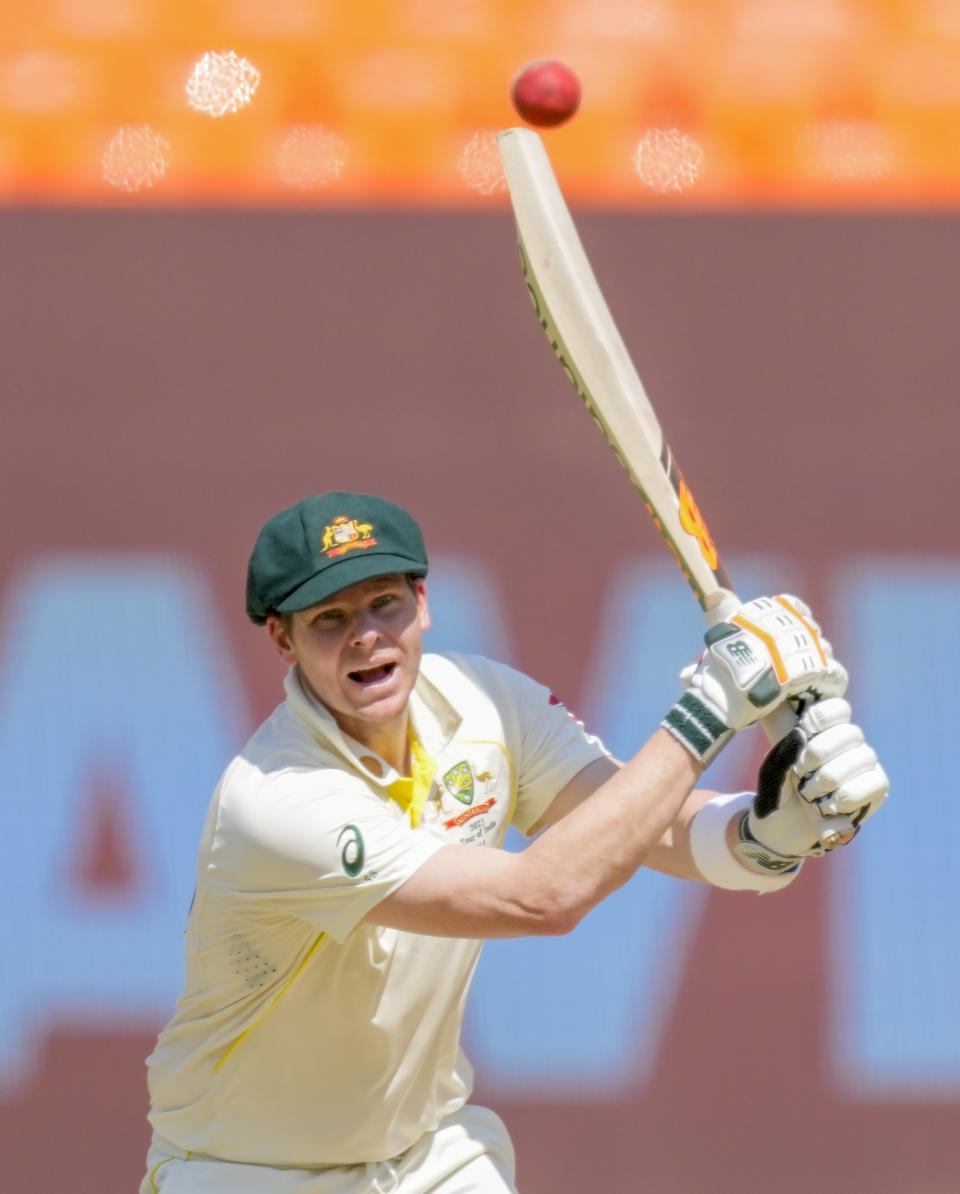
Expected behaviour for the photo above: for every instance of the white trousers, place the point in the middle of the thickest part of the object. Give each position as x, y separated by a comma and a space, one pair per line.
470, 1153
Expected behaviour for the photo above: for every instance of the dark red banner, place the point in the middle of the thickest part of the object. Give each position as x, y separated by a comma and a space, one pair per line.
173, 378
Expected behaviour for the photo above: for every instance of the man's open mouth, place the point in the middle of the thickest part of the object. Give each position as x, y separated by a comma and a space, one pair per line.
372, 675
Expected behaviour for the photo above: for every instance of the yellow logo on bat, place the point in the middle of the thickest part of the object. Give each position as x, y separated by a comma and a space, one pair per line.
692, 522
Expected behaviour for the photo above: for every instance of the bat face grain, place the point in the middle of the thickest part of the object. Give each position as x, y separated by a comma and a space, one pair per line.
577, 322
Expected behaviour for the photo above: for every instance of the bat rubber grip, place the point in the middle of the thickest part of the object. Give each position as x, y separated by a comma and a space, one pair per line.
722, 605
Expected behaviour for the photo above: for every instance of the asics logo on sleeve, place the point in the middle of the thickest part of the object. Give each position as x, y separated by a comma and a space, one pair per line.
350, 844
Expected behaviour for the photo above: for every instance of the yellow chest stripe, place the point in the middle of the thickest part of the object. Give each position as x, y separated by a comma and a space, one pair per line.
410, 791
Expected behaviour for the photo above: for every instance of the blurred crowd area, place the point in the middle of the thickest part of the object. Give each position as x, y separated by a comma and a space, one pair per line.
387, 101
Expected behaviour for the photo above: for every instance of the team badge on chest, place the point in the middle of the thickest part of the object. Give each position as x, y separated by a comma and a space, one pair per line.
459, 782
483, 784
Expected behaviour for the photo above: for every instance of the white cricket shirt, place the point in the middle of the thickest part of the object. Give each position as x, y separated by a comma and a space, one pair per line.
304, 1037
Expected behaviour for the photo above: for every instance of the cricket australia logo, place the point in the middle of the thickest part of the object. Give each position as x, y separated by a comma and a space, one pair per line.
344, 534
459, 782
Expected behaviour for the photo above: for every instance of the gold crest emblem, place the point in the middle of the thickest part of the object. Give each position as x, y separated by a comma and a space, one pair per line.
344, 534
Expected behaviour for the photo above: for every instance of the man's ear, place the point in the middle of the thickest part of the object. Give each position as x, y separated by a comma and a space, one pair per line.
423, 609
281, 639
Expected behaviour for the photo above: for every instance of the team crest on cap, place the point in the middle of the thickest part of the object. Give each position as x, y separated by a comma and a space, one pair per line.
459, 782
344, 534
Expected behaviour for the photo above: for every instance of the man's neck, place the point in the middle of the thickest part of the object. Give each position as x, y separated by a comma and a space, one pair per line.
391, 741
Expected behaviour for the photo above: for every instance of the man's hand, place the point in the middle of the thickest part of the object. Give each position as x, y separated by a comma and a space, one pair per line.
768, 651
822, 767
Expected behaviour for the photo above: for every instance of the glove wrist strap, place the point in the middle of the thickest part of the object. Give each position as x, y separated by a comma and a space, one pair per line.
756, 855
712, 856
697, 724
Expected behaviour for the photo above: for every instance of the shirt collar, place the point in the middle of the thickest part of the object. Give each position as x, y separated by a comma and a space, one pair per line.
434, 719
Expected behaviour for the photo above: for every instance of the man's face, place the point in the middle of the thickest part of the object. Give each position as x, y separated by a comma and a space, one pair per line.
360, 650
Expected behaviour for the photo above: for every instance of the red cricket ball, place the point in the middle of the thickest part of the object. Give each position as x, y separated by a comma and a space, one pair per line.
545, 93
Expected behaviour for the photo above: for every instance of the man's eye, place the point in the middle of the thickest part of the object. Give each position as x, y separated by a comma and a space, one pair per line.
383, 599
329, 615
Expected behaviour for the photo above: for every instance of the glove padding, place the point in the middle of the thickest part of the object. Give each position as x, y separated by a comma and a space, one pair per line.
768, 651
821, 768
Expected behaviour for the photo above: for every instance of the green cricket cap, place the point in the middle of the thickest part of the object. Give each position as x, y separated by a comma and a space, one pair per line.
323, 544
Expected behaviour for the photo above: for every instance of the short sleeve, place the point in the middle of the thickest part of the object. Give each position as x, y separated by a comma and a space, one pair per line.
316, 845
547, 744
556, 747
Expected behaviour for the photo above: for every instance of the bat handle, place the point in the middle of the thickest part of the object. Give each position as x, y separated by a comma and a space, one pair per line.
834, 830
720, 605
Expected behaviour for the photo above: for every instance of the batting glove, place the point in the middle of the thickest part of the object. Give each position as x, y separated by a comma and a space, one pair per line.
770, 650
821, 768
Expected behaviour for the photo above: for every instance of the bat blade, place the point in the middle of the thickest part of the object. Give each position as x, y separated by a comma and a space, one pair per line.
575, 317
574, 314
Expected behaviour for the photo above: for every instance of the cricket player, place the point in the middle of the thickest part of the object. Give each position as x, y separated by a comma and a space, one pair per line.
350, 869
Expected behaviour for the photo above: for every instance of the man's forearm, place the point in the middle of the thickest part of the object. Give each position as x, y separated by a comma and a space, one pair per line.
597, 846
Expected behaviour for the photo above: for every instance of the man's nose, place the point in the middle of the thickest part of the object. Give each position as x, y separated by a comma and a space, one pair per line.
366, 628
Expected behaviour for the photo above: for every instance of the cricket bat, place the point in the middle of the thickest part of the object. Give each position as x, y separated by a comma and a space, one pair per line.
575, 317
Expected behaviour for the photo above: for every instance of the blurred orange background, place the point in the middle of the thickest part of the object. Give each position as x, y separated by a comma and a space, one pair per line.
395, 101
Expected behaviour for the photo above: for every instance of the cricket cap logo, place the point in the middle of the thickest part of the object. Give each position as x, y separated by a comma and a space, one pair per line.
459, 782
344, 534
